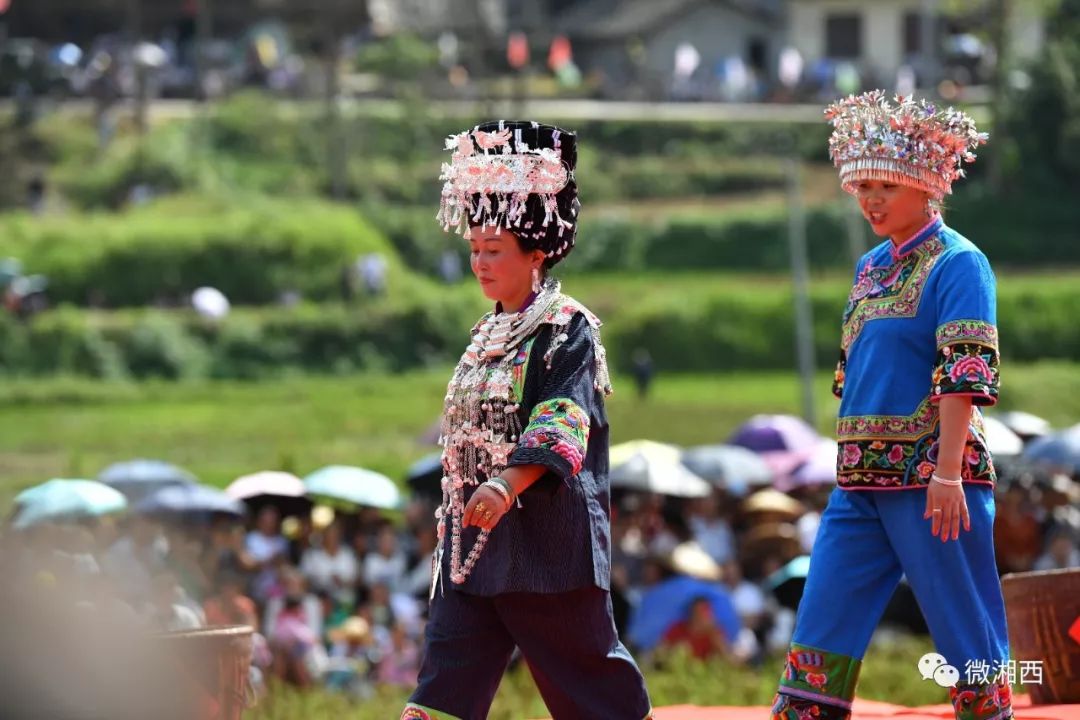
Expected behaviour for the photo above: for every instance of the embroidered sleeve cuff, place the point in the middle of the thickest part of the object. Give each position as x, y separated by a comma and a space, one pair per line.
557, 437
967, 368
965, 331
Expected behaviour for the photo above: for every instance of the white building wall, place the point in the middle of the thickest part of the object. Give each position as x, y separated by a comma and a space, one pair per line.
882, 41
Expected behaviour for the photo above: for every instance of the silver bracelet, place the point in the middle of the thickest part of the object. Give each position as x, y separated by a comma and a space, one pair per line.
951, 483
498, 487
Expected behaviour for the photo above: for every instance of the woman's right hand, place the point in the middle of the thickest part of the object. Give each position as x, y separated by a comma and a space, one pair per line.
947, 507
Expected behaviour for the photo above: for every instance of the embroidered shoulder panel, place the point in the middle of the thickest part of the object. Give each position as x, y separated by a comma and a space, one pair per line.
560, 313
890, 291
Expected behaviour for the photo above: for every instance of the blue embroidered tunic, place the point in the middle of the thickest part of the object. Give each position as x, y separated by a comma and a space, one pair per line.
559, 538
920, 324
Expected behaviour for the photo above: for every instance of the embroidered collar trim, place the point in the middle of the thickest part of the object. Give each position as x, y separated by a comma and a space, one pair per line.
928, 231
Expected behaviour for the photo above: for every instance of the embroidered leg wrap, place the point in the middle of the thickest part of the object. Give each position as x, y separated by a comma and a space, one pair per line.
419, 712
816, 685
982, 701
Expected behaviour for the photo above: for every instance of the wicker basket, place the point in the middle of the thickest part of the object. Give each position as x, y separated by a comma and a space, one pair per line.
1041, 607
217, 662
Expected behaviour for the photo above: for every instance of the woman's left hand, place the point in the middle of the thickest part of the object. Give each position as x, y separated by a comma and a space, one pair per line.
947, 507
486, 507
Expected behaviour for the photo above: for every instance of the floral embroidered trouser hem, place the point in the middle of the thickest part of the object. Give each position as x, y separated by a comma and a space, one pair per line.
865, 543
983, 701
816, 685
419, 712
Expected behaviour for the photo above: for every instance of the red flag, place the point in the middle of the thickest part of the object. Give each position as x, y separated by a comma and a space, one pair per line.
517, 50
560, 53
1074, 630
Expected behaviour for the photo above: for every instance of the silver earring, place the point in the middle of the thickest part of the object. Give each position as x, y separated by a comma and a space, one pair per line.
536, 280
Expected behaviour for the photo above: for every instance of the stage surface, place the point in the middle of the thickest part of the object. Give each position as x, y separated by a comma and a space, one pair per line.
871, 710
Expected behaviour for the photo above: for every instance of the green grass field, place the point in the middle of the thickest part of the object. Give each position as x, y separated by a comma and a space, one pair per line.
220, 430
889, 675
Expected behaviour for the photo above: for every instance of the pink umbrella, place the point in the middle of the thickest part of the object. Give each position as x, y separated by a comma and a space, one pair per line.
819, 469
784, 463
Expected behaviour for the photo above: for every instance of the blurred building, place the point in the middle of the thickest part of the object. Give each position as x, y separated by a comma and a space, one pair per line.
877, 37
635, 41
427, 17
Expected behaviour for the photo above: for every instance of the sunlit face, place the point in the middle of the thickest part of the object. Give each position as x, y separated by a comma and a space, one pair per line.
896, 211
503, 270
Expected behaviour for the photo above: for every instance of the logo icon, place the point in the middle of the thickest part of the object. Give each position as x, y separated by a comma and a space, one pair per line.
933, 666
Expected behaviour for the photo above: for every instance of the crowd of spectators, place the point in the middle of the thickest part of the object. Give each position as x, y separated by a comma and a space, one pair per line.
340, 601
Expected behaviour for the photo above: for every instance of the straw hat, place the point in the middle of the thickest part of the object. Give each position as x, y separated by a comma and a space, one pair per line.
690, 559
771, 538
773, 501
354, 629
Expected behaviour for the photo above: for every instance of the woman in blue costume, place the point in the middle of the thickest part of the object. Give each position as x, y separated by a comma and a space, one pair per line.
524, 555
915, 495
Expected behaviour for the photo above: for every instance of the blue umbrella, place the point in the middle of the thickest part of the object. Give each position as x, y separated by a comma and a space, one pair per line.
189, 501
734, 468
1060, 449
66, 500
787, 583
138, 478
669, 602
425, 475
352, 486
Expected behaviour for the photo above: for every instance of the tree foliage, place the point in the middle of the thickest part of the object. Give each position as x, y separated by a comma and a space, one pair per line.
1043, 117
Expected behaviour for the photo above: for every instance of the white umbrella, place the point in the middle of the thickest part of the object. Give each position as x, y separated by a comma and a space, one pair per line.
648, 466
353, 486
1000, 440
268, 482
1024, 424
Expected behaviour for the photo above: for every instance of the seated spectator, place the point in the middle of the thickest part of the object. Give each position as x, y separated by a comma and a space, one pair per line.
165, 612
266, 546
698, 632
184, 559
380, 606
353, 658
331, 567
387, 564
225, 553
294, 591
1017, 534
229, 605
417, 582
399, 662
752, 606
135, 559
299, 656
711, 529
1061, 551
